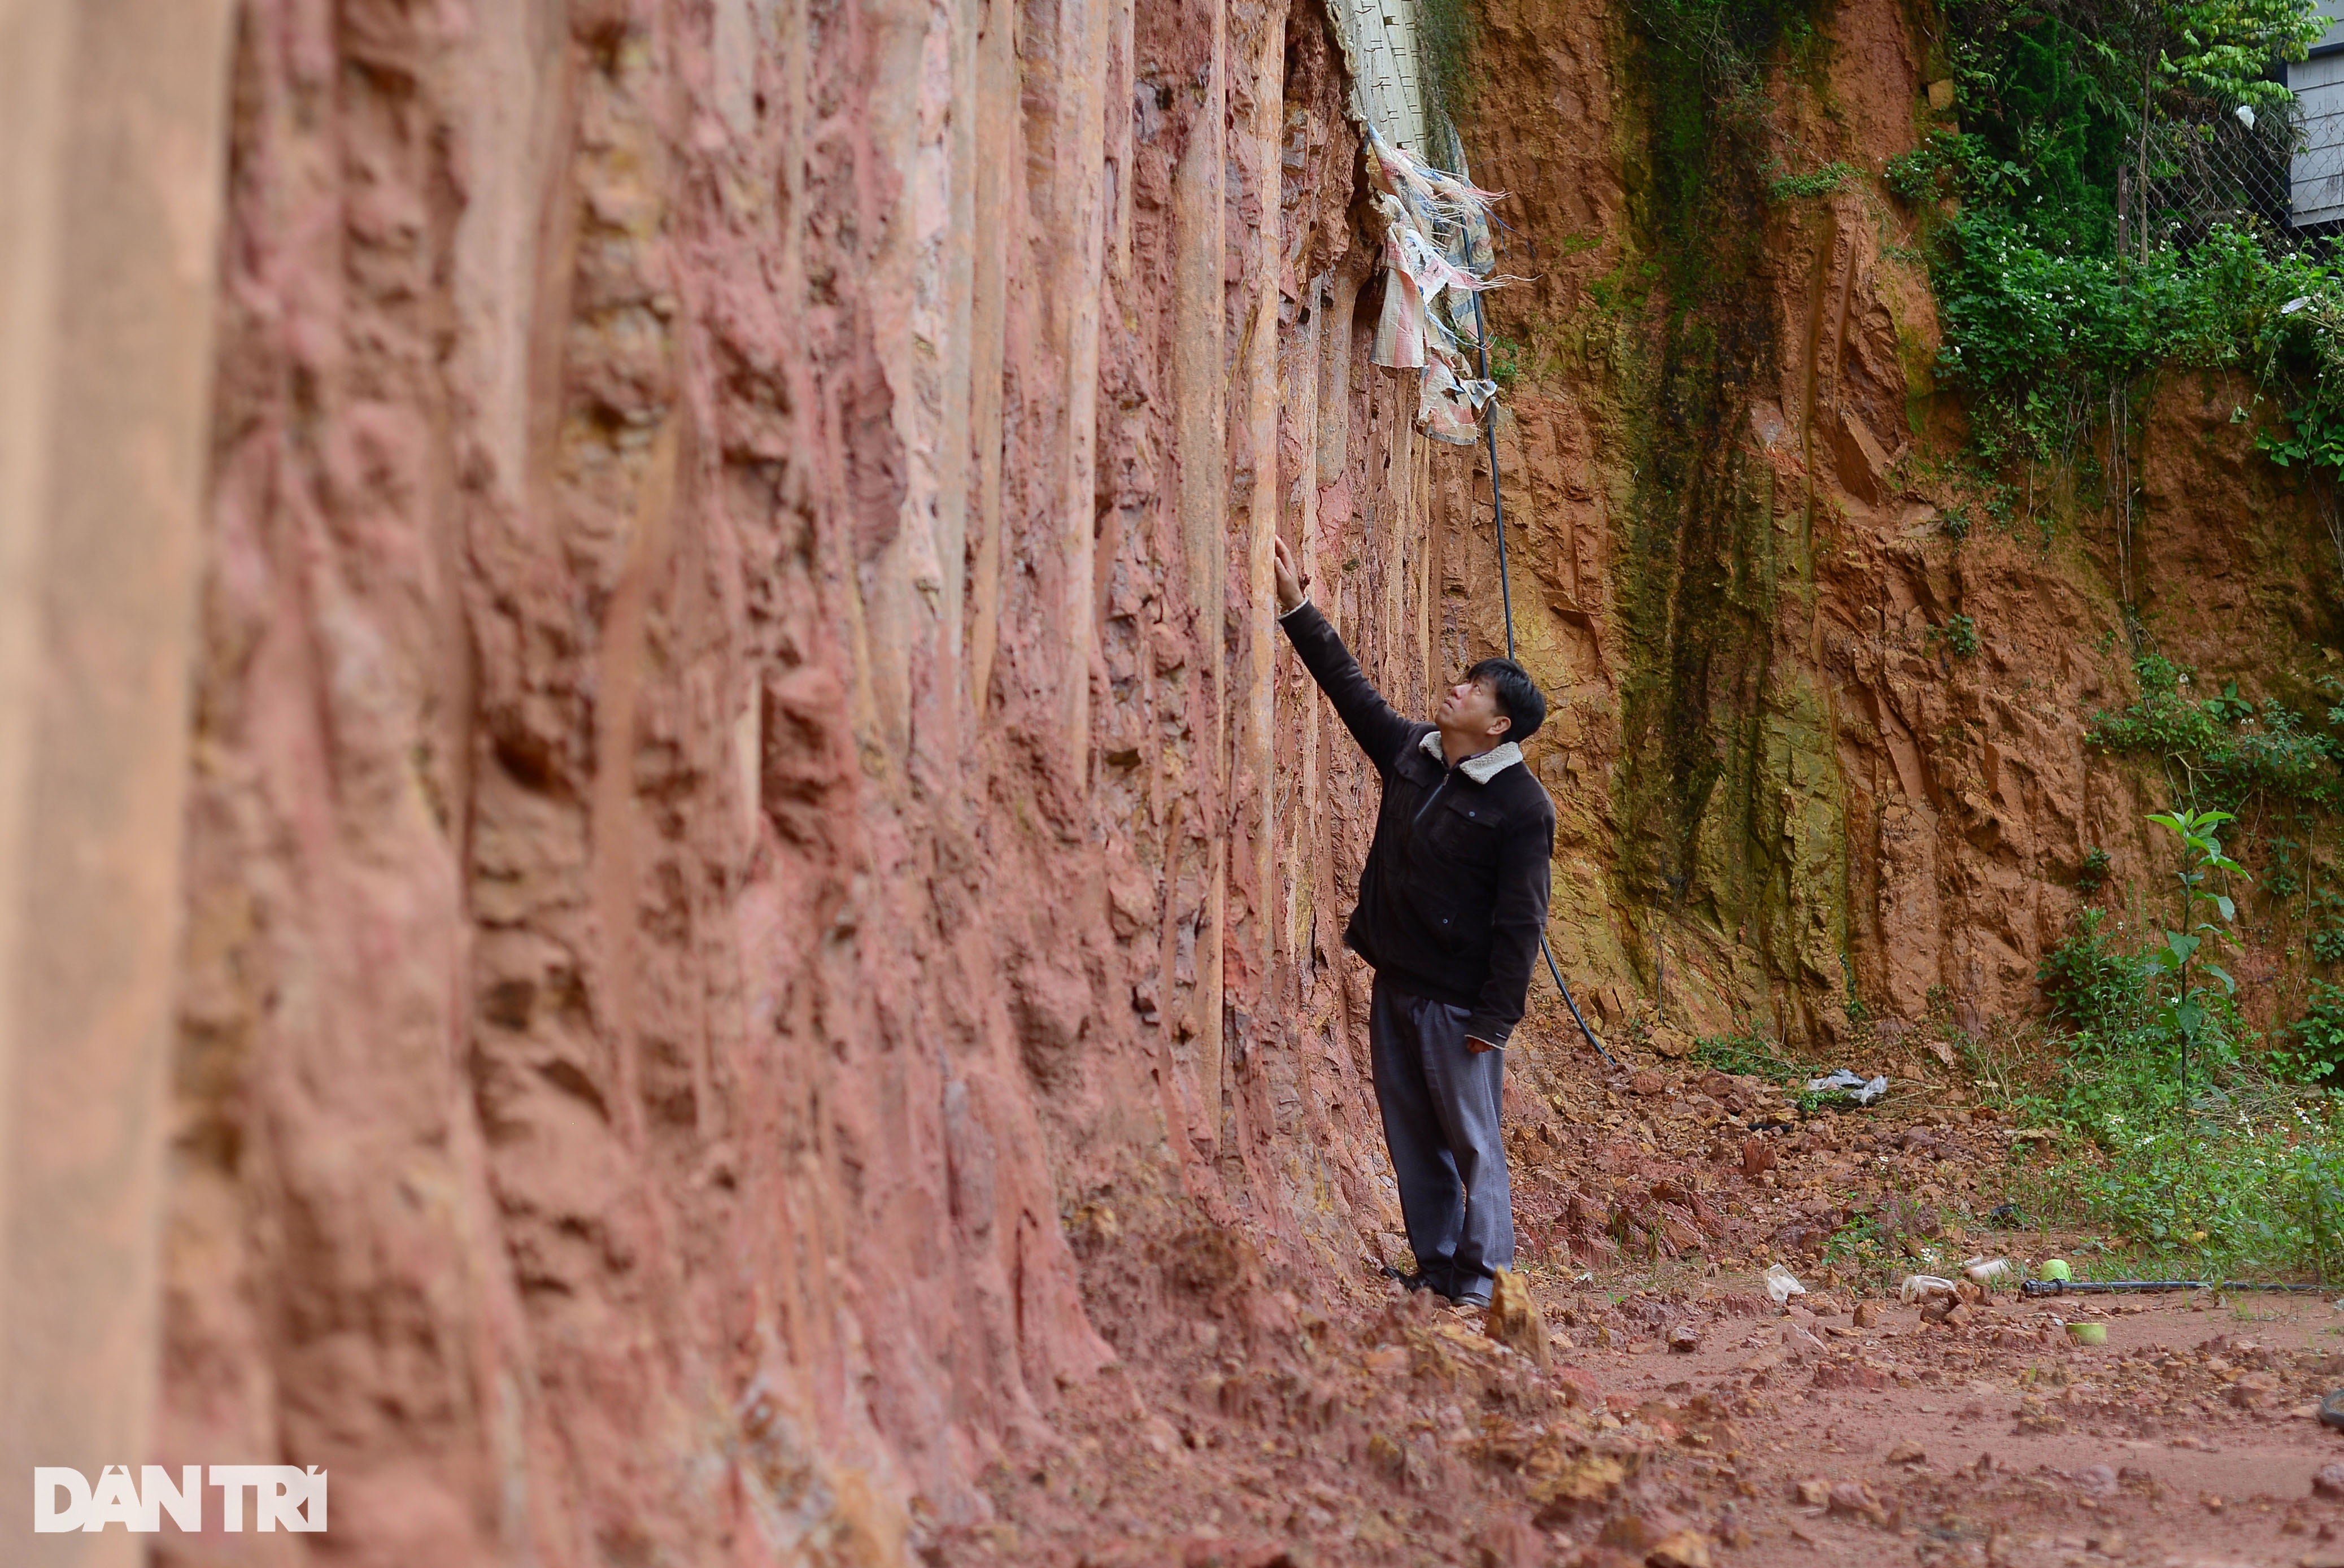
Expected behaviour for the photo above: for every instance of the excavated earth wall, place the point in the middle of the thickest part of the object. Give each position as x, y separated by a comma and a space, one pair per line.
761, 900
1790, 802
744, 783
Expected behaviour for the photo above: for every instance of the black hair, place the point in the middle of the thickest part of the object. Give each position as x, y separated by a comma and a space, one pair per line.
1518, 696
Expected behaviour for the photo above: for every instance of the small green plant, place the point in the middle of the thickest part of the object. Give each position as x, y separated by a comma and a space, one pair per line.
2229, 708
1750, 1054
1505, 360
1782, 185
2093, 874
2280, 879
2226, 750
2181, 1008
2318, 1037
2090, 983
1951, 164
1955, 523
1958, 636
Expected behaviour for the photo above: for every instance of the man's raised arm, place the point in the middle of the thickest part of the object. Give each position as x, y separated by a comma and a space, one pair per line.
1380, 731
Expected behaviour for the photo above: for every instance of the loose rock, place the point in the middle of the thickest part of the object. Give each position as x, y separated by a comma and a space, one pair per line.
1854, 1500
1515, 1320
1679, 1549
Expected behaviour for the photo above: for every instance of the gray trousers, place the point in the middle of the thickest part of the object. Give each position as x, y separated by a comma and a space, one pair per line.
1440, 1105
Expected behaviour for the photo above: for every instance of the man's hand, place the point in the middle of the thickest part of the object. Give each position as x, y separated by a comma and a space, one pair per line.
1291, 582
1478, 1046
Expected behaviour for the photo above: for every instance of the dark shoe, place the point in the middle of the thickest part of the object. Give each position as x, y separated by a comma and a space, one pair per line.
1415, 1282
1470, 1303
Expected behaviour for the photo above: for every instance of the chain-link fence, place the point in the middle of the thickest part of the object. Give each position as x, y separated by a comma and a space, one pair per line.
2227, 169
2278, 174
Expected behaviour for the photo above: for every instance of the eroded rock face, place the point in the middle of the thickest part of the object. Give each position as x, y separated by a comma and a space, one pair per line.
745, 783
1784, 781
762, 897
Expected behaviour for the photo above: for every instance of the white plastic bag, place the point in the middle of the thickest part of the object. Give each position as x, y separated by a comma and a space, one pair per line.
1852, 1085
1781, 1284
1923, 1288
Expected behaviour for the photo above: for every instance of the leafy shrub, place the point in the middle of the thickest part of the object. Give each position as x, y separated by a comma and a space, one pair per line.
2093, 874
1750, 1054
2090, 983
2238, 1165
1950, 164
1785, 186
2227, 750
2318, 1036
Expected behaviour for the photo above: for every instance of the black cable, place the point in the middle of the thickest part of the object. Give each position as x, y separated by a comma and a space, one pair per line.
2136, 1287
1506, 594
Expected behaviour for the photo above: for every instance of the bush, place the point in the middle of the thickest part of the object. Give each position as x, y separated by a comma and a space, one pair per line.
2090, 983
2228, 750
2318, 1036
2238, 1165
1750, 1054
1784, 187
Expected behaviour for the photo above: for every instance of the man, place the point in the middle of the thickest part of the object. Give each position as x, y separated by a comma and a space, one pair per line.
1452, 903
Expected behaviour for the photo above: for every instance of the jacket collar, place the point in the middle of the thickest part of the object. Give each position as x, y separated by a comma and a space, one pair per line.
1480, 769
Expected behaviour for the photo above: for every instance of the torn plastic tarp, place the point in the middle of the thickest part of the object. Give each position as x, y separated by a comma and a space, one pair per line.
1449, 410
1399, 331
1437, 255
1851, 1086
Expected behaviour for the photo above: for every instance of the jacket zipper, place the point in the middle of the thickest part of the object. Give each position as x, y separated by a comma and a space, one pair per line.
1418, 819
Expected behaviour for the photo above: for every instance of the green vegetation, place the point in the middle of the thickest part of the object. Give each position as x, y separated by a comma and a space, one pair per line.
1958, 635
2223, 752
2186, 1134
2093, 874
1782, 185
1505, 361
1748, 1054
2060, 283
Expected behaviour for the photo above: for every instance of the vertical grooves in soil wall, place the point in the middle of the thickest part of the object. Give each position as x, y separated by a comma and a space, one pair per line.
764, 902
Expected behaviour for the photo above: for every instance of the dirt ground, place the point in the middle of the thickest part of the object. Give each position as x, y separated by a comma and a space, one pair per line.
1676, 1416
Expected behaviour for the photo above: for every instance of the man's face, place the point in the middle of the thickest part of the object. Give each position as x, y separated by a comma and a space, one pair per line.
1471, 708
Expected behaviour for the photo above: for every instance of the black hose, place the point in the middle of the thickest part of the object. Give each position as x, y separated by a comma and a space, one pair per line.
1505, 594
2136, 1287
